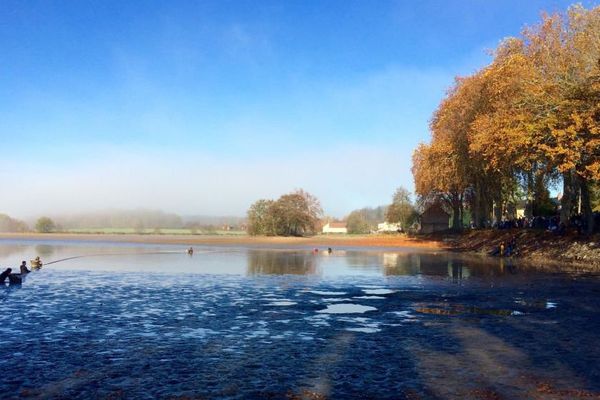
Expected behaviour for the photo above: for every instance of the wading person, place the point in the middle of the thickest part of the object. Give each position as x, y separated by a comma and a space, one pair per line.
24, 269
5, 274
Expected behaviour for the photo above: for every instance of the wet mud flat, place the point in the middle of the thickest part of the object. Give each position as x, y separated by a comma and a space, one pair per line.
94, 335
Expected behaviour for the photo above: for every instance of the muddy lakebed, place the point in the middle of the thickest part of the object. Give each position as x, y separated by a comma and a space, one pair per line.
117, 320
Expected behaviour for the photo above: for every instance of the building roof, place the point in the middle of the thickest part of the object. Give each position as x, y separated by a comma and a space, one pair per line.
435, 214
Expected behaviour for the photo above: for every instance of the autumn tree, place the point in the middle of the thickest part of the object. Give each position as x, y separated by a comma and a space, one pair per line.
293, 214
530, 118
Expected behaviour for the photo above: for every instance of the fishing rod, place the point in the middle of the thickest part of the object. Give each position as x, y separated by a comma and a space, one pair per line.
130, 254
110, 254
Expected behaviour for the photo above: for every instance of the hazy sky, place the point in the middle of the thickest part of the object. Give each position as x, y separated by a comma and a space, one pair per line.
203, 107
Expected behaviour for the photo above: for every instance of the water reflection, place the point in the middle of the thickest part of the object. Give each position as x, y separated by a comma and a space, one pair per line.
8, 251
454, 266
255, 261
262, 262
44, 250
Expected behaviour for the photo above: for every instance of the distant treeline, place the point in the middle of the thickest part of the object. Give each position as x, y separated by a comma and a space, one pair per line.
8, 224
119, 219
401, 211
140, 219
366, 219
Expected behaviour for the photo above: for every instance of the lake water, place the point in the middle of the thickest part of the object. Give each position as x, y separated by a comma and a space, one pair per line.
146, 321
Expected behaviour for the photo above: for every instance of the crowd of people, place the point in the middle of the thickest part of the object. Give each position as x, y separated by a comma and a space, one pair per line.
546, 223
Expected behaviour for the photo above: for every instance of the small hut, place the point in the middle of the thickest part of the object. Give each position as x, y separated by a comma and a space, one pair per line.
434, 219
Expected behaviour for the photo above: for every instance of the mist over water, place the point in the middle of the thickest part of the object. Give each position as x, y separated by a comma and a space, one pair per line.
190, 183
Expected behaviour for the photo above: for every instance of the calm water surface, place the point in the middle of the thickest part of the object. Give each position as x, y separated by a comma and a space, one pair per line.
146, 321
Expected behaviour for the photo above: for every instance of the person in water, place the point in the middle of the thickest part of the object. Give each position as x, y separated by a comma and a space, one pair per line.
190, 251
36, 263
5, 274
24, 269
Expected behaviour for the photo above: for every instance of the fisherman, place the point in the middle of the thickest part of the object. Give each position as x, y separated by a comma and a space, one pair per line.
5, 274
15, 279
24, 269
190, 251
36, 262
329, 250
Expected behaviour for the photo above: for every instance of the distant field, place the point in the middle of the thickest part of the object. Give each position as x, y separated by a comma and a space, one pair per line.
150, 231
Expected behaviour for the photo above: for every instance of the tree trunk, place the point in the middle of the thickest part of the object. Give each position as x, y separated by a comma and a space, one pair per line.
461, 211
456, 212
497, 211
539, 192
586, 207
486, 211
529, 208
568, 197
476, 207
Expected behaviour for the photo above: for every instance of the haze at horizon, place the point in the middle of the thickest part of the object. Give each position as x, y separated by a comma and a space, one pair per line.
202, 108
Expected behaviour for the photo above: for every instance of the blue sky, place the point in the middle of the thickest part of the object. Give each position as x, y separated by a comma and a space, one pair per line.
203, 107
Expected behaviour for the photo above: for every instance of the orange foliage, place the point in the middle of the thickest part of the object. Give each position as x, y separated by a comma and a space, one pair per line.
537, 104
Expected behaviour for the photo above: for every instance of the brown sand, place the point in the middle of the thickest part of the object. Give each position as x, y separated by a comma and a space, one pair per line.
241, 240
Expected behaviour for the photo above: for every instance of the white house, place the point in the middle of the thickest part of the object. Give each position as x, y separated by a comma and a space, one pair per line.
335, 227
388, 227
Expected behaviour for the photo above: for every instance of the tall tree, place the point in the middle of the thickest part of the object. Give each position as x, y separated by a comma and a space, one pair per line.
260, 218
357, 222
45, 225
531, 116
293, 214
402, 210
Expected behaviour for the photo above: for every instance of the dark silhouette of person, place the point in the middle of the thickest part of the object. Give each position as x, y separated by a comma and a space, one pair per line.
190, 251
24, 269
5, 274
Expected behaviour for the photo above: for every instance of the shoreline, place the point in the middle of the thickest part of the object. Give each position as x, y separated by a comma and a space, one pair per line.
534, 248
320, 241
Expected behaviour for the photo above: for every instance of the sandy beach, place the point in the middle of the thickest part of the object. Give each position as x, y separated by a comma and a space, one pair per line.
237, 240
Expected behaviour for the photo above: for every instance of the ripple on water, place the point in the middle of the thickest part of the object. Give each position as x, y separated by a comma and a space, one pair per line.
282, 303
346, 308
325, 293
378, 291
336, 299
364, 330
